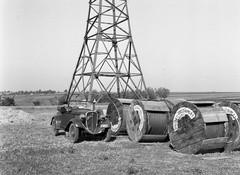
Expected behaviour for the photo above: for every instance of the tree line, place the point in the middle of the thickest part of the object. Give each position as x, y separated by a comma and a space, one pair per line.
99, 96
103, 97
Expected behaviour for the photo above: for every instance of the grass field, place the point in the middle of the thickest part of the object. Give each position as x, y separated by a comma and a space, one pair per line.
27, 146
45, 99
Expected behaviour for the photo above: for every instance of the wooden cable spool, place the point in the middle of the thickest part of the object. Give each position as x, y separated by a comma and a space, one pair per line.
232, 110
116, 112
198, 127
147, 120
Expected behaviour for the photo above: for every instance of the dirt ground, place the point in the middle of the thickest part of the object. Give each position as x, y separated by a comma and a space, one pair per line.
27, 146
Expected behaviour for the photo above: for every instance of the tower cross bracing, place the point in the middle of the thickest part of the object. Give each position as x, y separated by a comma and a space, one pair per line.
108, 60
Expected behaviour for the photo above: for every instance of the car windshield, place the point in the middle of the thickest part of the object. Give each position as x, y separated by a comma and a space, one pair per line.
78, 104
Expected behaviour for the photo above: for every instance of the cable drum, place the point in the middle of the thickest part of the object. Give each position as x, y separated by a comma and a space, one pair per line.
198, 127
147, 120
116, 112
136, 121
232, 110
158, 122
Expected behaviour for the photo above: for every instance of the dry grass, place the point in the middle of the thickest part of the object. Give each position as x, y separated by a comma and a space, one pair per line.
45, 100
30, 148
213, 96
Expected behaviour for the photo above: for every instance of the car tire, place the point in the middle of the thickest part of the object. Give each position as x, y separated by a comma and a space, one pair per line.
106, 135
74, 133
54, 130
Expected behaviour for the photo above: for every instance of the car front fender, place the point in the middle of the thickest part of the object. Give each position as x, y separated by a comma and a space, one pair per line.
78, 123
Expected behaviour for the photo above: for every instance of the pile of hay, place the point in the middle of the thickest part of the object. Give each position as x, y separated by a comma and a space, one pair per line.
13, 116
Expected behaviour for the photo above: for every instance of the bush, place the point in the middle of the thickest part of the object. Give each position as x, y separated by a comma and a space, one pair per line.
7, 101
162, 92
129, 94
36, 102
62, 99
54, 101
151, 93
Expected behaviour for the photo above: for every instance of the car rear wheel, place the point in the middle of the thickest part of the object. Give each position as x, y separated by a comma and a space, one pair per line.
54, 130
74, 133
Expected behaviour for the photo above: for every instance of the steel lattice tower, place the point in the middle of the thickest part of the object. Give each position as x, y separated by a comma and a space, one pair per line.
108, 57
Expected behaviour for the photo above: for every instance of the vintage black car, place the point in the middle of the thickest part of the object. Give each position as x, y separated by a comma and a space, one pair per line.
81, 123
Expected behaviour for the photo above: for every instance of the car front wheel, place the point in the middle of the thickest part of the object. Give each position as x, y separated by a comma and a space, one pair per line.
74, 133
106, 135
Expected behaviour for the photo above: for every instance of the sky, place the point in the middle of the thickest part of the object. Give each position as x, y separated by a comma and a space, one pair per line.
182, 45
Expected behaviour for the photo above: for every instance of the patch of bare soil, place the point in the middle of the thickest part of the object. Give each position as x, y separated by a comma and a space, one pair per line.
9, 115
29, 147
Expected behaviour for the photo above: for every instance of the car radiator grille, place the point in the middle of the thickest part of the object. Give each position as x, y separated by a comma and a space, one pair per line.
92, 121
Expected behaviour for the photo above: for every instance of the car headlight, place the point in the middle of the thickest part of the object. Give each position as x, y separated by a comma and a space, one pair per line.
82, 116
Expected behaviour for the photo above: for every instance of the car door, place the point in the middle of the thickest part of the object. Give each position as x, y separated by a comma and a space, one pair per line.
65, 118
